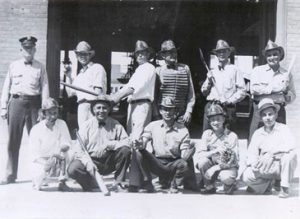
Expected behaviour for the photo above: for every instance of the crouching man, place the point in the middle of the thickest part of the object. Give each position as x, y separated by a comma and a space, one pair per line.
271, 153
107, 144
171, 157
49, 143
219, 157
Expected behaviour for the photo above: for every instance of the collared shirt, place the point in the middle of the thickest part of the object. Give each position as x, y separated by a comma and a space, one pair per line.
211, 141
44, 142
280, 139
25, 80
91, 78
143, 82
167, 142
229, 83
97, 137
178, 88
264, 81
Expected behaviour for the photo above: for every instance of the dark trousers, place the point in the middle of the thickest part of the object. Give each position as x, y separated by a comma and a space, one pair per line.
117, 161
256, 121
230, 116
168, 169
20, 112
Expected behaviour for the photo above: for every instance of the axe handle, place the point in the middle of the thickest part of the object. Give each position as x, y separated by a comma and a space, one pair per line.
97, 175
79, 88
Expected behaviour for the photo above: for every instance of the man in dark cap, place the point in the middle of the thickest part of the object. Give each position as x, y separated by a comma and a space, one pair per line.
107, 143
271, 81
166, 151
224, 84
25, 87
176, 82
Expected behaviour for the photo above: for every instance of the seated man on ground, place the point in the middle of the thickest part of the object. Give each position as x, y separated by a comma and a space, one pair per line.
219, 158
171, 156
107, 142
49, 143
271, 154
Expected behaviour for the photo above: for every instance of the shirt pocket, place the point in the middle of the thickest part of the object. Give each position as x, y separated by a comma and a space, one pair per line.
34, 78
16, 79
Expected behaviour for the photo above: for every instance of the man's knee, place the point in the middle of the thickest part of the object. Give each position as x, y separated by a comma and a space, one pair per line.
202, 162
124, 152
182, 165
248, 175
228, 177
74, 168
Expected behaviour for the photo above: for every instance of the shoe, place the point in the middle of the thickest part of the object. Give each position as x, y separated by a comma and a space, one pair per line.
250, 190
118, 187
7, 181
284, 192
63, 187
209, 191
148, 186
173, 188
229, 189
133, 189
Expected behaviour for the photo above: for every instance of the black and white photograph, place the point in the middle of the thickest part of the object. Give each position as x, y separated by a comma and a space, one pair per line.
149, 109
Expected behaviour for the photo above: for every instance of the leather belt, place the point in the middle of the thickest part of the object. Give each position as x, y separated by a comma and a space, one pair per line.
26, 97
139, 101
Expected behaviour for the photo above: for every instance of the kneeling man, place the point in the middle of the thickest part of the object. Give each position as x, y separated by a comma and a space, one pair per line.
107, 143
171, 157
49, 143
271, 153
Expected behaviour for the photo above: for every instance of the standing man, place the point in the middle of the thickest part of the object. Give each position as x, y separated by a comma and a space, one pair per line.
224, 84
49, 143
176, 82
140, 92
106, 142
166, 151
91, 77
271, 154
25, 87
271, 81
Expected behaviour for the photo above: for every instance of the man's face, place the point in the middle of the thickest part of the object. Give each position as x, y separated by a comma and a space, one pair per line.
168, 113
51, 115
273, 57
268, 117
141, 57
28, 52
101, 111
223, 55
170, 57
83, 58
217, 122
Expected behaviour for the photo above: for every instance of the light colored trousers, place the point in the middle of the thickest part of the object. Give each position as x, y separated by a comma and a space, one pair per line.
226, 176
138, 117
83, 113
282, 169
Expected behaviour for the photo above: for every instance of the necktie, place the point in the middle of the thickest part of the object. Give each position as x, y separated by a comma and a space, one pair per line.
101, 124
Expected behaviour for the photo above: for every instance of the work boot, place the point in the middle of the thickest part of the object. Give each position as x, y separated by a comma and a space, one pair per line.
7, 181
63, 187
277, 185
148, 186
229, 189
173, 188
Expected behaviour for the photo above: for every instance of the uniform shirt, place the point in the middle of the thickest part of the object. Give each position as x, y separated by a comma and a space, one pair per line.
143, 82
167, 142
184, 94
25, 80
280, 139
44, 142
90, 79
211, 141
97, 136
229, 82
264, 80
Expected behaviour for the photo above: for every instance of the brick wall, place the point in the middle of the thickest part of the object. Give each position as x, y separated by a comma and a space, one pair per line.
293, 48
21, 18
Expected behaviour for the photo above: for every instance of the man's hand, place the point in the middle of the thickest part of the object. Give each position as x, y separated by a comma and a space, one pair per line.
187, 117
91, 168
4, 113
57, 156
64, 148
265, 162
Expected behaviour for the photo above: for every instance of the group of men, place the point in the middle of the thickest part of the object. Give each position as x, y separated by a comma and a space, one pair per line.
162, 147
